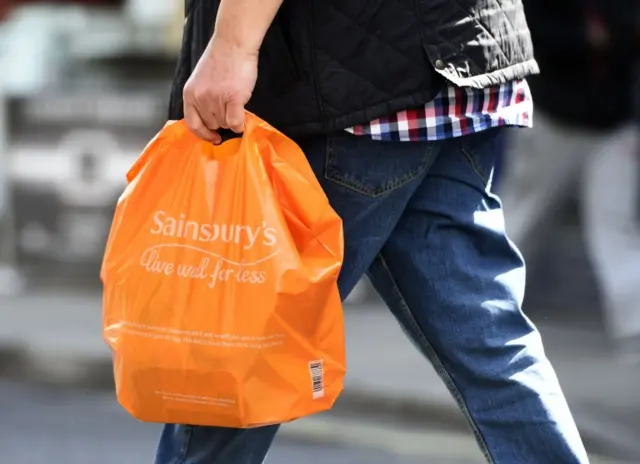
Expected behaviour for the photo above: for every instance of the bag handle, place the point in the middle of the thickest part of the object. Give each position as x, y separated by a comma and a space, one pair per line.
228, 134
178, 129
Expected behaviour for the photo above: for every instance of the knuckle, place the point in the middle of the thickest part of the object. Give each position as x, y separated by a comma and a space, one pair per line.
189, 118
187, 91
200, 94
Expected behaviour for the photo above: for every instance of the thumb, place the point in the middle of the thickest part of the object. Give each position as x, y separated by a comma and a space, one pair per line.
235, 117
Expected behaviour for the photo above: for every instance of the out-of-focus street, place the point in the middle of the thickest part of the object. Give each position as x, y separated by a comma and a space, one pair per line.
85, 85
387, 382
44, 425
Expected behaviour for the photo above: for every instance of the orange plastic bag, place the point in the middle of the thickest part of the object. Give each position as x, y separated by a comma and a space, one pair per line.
220, 297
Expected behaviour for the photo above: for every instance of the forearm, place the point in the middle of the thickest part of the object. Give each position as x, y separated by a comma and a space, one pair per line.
244, 23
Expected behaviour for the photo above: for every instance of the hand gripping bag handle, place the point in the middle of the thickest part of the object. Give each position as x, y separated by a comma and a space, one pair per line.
178, 129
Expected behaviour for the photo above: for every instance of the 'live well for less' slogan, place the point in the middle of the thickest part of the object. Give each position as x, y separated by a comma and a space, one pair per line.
212, 267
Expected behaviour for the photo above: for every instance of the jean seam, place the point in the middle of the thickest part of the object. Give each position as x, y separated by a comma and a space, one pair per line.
471, 158
437, 363
358, 187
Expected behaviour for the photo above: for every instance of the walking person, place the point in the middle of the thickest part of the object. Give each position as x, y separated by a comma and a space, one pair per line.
611, 215
399, 107
585, 144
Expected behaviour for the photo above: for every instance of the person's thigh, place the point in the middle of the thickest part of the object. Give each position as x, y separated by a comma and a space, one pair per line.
542, 166
368, 183
455, 282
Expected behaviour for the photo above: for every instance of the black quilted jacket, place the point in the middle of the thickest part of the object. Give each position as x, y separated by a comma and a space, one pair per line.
328, 64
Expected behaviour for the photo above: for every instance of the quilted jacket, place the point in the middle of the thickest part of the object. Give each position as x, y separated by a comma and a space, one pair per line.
329, 64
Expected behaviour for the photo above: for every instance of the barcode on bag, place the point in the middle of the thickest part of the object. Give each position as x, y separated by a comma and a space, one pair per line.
317, 378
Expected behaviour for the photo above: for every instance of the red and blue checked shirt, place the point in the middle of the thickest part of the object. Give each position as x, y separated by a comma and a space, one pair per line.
454, 112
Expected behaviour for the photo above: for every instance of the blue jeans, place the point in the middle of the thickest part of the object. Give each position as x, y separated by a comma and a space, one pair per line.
499, 165
421, 222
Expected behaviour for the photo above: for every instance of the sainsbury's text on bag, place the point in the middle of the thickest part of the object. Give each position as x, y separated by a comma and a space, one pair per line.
211, 266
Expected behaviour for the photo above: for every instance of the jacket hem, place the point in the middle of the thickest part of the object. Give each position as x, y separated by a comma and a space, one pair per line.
498, 77
362, 116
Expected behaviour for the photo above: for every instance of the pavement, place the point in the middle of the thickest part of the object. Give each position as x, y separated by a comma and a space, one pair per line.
53, 338
47, 425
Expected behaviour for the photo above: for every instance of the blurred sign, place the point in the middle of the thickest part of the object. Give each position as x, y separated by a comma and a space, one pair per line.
86, 109
68, 154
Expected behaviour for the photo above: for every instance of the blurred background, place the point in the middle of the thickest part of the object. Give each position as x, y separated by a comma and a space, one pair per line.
84, 85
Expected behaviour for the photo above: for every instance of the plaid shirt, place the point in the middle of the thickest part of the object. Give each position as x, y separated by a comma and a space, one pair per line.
454, 112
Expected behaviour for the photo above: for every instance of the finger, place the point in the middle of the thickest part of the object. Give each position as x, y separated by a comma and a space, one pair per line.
235, 117
209, 117
196, 125
211, 121
219, 110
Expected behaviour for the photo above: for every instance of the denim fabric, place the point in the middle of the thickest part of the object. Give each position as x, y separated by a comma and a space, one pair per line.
420, 220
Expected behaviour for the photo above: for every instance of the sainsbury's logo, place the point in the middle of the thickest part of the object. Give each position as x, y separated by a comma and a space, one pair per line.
210, 265
241, 234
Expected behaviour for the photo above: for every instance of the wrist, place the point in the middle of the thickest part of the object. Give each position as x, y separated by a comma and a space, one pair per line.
231, 42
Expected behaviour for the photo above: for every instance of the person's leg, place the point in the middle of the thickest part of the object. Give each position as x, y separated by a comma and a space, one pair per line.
188, 444
368, 184
544, 164
456, 282
612, 233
